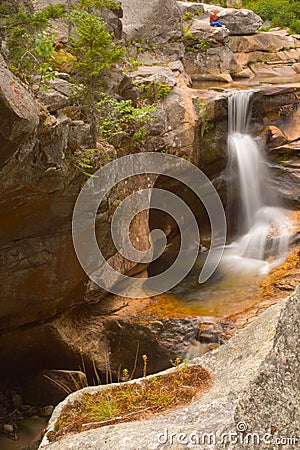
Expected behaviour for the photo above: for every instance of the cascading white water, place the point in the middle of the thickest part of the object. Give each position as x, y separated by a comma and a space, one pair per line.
264, 229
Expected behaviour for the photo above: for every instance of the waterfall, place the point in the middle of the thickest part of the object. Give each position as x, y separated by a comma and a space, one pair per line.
263, 228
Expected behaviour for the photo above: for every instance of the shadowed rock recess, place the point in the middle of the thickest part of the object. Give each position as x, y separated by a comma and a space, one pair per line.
254, 397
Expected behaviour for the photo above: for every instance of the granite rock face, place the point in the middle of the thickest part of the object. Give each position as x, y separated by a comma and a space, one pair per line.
156, 23
19, 113
253, 400
277, 115
216, 63
240, 21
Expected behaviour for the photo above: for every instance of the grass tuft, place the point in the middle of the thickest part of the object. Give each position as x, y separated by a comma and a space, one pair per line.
132, 401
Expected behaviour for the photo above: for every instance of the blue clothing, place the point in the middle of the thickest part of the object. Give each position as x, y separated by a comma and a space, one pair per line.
216, 24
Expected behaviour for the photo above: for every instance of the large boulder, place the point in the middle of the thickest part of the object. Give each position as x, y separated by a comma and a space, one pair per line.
19, 113
156, 23
266, 54
215, 63
268, 71
238, 21
285, 57
200, 30
253, 400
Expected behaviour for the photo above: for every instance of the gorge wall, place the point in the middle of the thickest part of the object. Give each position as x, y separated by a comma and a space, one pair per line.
41, 141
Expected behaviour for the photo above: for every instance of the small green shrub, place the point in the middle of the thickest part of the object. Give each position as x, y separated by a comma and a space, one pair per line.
295, 26
155, 91
120, 118
186, 30
209, 126
89, 4
194, 44
187, 16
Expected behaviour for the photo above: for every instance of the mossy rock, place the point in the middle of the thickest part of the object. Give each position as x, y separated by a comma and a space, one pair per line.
63, 60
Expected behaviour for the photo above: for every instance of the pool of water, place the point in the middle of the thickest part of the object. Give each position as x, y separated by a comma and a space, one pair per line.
220, 297
251, 83
29, 433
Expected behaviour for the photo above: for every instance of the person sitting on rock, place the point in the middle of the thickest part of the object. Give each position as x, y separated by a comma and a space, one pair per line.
214, 19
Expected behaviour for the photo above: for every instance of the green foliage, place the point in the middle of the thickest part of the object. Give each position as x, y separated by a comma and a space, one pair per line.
134, 63
125, 373
30, 42
194, 44
154, 91
145, 360
186, 30
279, 12
209, 126
118, 402
90, 4
44, 42
139, 136
121, 119
295, 26
85, 161
188, 15
93, 45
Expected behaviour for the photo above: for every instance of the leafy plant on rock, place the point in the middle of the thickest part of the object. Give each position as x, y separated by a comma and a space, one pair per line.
133, 401
29, 41
120, 119
154, 91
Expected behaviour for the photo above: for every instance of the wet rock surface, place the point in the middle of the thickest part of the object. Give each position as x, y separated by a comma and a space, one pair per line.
115, 335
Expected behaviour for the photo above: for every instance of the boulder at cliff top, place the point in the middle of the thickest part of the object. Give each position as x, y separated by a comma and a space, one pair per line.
157, 21
238, 21
256, 384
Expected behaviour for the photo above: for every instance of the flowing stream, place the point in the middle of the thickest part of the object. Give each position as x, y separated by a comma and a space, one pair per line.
263, 228
262, 231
